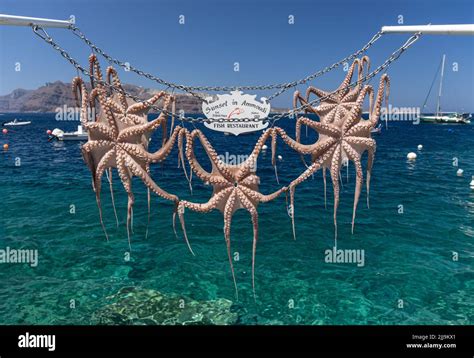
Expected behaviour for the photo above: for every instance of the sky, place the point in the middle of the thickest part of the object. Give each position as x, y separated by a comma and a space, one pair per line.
256, 34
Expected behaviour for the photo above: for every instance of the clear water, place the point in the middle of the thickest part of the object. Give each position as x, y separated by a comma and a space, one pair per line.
408, 256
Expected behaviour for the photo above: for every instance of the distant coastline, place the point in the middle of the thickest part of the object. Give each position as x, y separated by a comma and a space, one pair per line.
54, 95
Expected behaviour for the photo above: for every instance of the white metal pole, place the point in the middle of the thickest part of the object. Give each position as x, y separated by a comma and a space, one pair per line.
438, 109
13, 20
457, 29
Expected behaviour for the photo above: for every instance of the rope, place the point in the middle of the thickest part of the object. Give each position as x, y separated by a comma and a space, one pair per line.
432, 84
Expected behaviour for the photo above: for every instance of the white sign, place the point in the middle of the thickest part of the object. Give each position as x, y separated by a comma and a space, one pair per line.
229, 108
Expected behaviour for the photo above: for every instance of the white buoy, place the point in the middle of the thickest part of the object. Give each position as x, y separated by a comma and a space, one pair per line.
411, 156
280, 157
264, 147
472, 183
459, 172
420, 147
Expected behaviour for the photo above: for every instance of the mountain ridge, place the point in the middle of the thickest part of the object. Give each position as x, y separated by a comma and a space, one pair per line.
55, 95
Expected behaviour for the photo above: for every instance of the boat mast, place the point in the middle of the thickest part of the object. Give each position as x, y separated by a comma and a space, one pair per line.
438, 108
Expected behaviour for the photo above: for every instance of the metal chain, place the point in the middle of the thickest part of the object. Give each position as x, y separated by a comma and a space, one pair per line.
190, 89
40, 32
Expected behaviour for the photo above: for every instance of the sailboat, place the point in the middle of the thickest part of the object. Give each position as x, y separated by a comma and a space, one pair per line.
443, 117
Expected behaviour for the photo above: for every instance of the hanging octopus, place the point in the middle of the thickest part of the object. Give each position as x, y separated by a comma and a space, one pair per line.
235, 187
348, 140
341, 100
335, 105
118, 138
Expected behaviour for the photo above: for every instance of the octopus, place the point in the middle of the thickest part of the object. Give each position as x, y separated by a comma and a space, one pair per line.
234, 187
119, 135
350, 139
335, 105
118, 138
339, 102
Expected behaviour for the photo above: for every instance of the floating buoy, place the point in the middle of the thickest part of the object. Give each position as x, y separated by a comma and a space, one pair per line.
4, 131
280, 157
264, 147
459, 172
5, 146
472, 183
411, 156
48, 132
420, 147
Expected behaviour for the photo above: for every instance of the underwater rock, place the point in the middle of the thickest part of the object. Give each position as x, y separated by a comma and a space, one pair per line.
139, 306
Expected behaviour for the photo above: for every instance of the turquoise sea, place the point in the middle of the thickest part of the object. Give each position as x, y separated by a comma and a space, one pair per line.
418, 265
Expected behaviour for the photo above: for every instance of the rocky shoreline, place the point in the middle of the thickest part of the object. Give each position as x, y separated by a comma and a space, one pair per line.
54, 95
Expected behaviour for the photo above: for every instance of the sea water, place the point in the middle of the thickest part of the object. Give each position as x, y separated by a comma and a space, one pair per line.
417, 238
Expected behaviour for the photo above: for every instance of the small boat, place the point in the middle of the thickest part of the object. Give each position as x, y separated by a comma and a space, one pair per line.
16, 122
377, 130
443, 117
60, 135
449, 118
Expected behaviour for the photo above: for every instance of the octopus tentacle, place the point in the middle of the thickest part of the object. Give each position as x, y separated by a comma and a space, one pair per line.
140, 129
198, 207
325, 188
335, 168
148, 197
261, 197
320, 93
292, 205
228, 211
353, 116
93, 96
79, 89
93, 144
251, 160
125, 177
145, 105
173, 111
95, 72
316, 149
347, 80
182, 134
254, 214
99, 128
355, 157
250, 180
115, 107
135, 150
305, 175
303, 102
137, 170
370, 161
322, 128
384, 86
104, 163
111, 72
165, 150
110, 179
180, 210
211, 153
274, 144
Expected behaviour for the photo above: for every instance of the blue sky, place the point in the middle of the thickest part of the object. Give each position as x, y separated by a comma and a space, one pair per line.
254, 33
